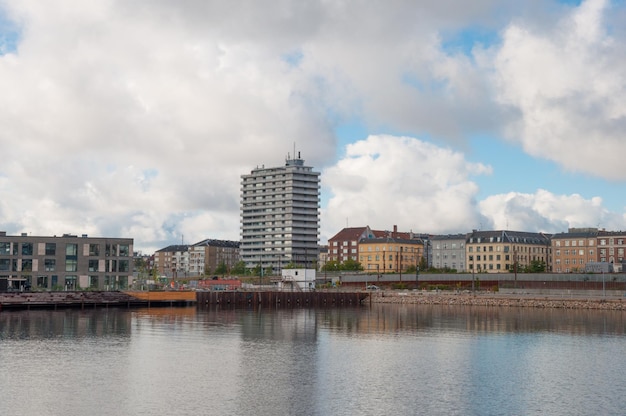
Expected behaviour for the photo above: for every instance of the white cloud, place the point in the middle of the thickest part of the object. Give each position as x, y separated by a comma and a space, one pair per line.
569, 85
544, 211
385, 181
138, 118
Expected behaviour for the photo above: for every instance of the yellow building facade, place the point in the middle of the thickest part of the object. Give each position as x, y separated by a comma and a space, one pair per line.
503, 251
390, 255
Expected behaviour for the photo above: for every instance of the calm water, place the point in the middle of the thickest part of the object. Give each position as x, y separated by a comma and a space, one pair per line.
384, 360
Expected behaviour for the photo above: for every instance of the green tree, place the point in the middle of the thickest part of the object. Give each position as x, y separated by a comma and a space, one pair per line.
331, 266
351, 265
239, 269
537, 266
221, 269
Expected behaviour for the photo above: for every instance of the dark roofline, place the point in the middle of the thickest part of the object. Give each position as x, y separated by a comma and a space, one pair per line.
173, 248
217, 243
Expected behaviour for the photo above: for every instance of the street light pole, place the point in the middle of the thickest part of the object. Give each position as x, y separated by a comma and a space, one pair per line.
399, 263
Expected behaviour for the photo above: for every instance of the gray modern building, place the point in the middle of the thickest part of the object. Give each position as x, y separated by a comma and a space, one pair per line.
280, 215
68, 262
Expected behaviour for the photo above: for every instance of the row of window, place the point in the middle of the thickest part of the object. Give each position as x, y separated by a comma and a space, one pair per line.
445, 255
573, 243
71, 249
71, 265
573, 261
453, 246
377, 257
573, 252
484, 257
70, 282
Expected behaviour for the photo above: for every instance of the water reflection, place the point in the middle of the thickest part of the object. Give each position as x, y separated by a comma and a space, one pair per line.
424, 319
71, 324
387, 359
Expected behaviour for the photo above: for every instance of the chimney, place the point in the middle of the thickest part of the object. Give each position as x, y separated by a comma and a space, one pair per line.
395, 231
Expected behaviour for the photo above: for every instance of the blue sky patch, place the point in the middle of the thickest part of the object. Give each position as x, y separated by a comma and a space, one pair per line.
293, 58
9, 35
462, 42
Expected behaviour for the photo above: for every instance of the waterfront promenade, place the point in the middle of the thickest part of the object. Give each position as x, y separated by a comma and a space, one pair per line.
592, 300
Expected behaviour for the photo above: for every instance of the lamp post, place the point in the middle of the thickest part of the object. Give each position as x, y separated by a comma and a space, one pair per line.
417, 275
399, 263
473, 271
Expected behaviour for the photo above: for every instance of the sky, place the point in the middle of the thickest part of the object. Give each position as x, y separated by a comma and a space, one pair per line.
137, 119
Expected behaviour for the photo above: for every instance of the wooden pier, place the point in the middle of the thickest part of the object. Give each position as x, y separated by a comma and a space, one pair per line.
279, 299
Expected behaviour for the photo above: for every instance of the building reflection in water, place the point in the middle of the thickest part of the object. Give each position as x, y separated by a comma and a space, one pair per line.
45, 324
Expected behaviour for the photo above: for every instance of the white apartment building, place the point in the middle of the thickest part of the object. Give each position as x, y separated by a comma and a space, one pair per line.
280, 215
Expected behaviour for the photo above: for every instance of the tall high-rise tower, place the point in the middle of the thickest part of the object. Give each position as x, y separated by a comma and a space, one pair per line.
280, 215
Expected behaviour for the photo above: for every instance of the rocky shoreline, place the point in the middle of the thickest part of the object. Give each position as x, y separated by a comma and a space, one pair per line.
495, 300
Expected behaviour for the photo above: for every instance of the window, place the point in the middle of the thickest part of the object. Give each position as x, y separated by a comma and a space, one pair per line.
93, 265
110, 250
70, 282
51, 249
27, 265
71, 265
27, 249
5, 249
50, 265
5, 265
71, 250
42, 282
124, 250
94, 249
93, 282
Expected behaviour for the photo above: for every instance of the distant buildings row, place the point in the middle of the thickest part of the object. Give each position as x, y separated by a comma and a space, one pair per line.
578, 250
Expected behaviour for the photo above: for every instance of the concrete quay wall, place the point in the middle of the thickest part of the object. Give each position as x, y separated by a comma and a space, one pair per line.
501, 300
